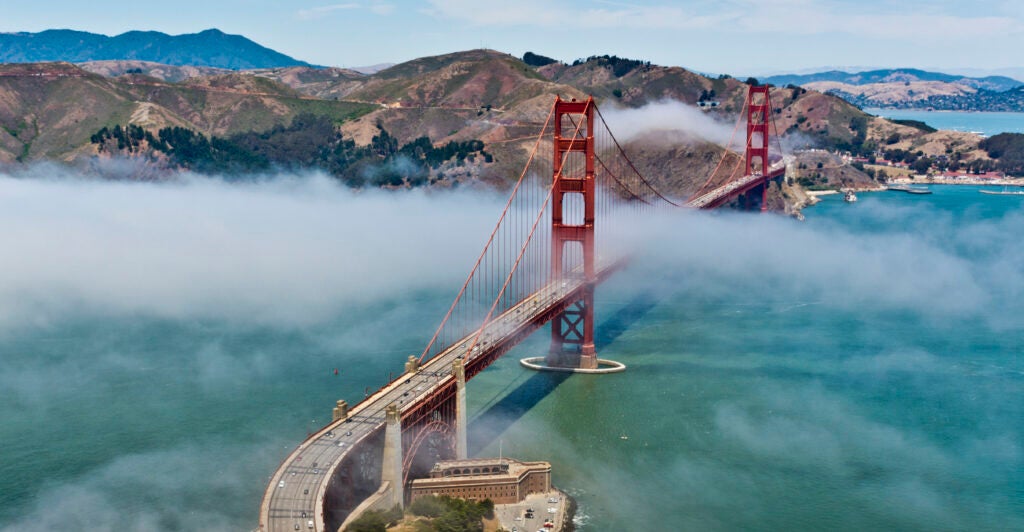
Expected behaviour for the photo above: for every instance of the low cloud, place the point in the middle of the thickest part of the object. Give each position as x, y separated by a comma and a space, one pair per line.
915, 265
174, 489
736, 437
293, 250
670, 116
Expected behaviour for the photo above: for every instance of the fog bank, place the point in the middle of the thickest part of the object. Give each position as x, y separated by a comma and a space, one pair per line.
291, 250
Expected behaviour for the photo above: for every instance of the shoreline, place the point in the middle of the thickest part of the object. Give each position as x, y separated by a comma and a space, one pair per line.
814, 196
1008, 182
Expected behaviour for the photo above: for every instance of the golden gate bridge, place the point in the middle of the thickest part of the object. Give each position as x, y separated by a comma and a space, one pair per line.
541, 264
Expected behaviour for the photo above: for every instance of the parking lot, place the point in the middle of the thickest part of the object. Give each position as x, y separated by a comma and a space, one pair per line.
548, 509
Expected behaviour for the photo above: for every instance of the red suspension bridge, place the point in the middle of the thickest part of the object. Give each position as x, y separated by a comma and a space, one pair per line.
540, 265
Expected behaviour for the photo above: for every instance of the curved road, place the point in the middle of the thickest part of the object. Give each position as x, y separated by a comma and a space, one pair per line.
294, 499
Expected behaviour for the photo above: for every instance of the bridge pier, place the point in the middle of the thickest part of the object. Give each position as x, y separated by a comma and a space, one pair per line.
461, 433
391, 470
340, 410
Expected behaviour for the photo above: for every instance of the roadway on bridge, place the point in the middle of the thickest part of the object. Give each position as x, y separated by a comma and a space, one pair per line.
295, 495
727, 189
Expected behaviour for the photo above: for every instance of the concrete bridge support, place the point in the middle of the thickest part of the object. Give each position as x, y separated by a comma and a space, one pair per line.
391, 472
340, 410
461, 438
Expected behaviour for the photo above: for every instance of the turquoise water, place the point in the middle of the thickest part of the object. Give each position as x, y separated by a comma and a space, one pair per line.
857, 371
987, 124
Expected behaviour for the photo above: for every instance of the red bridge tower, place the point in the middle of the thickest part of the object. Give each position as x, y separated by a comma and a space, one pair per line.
572, 332
759, 107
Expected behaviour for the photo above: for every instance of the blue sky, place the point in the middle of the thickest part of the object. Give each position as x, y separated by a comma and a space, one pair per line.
739, 37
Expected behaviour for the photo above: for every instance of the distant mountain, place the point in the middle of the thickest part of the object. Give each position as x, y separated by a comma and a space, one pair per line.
372, 69
209, 48
901, 75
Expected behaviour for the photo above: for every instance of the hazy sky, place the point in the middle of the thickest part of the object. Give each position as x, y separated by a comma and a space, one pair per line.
733, 36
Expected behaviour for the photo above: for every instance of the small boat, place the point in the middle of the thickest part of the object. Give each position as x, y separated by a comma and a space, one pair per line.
850, 197
909, 190
1003, 192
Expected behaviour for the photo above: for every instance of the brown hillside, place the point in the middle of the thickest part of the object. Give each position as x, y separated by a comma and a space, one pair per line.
155, 70
50, 110
894, 93
324, 83
646, 83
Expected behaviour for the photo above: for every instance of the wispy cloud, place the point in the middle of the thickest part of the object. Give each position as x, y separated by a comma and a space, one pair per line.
543, 14
314, 13
898, 22
807, 17
382, 8
322, 11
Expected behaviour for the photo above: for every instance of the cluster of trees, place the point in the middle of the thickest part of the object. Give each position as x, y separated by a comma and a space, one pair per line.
917, 124
537, 60
920, 163
452, 515
309, 142
376, 520
127, 138
619, 66
1008, 151
706, 95
444, 514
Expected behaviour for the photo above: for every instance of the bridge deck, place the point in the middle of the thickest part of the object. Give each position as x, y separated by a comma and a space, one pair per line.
714, 196
295, 495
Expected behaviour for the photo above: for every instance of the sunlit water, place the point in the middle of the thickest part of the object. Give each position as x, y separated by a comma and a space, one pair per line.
986, 123
858, 371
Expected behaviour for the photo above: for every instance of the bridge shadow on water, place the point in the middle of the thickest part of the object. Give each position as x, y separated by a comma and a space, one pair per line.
489, 424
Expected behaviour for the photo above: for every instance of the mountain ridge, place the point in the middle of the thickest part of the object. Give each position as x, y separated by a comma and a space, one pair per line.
483, 99
895, 75
207, 48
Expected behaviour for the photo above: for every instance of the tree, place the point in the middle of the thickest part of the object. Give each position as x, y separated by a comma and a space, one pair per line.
922, 165
537, 60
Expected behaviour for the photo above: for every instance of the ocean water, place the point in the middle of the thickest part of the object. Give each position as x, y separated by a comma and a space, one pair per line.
987, 124
857, 371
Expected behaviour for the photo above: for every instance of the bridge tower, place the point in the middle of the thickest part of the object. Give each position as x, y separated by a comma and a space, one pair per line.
572, 332
759, 109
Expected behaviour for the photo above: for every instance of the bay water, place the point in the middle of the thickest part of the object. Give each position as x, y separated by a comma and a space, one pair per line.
858, 370
986, 123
